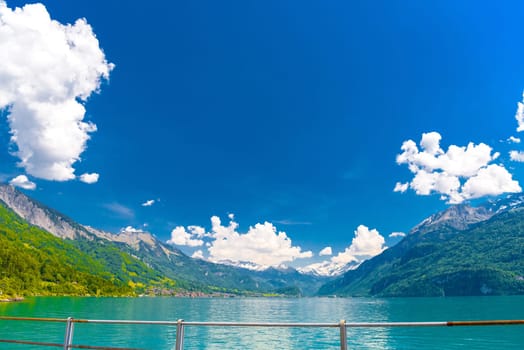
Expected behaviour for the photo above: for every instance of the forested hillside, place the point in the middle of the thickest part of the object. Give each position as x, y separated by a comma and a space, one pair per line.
487, 258
138, 259
34, 262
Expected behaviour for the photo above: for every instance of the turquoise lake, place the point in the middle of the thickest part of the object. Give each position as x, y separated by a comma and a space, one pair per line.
269, 310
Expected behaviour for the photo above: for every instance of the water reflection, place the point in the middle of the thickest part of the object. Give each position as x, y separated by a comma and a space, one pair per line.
238, 338
315, 310
288, 310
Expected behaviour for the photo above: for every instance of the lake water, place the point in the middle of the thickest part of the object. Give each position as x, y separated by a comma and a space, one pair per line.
269, 310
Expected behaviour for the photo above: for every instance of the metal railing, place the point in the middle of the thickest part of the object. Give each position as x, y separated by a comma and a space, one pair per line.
181, 324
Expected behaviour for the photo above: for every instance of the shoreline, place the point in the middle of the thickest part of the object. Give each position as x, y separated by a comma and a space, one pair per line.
12, 300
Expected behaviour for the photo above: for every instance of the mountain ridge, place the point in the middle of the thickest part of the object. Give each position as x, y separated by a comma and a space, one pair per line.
420, 264
35, 262
193, 274
40, 215
458, 251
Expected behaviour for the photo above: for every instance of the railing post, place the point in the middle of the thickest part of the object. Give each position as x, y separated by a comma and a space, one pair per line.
68, 338
179, 335
343, 335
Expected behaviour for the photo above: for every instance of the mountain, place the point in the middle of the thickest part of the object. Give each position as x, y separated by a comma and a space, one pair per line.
40, 215
463, 250
34, 262
143, 248
328, 268
207, 276
458, 217
289, 281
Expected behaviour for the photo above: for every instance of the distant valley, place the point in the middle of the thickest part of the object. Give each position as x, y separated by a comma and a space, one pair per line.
463, 250
131, 263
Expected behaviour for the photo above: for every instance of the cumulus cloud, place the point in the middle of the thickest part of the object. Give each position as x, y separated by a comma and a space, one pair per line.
519, 115
179, 236
197, 231
491, 180
48, 71
262, 246
326, 251
23, 182
401, 187
199, 254
516, 156
513, 139
458, 174
397, 234
365, 244
89, 178
131, 229
148, 203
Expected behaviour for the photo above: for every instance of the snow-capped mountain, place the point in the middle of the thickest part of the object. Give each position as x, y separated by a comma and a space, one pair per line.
328, 268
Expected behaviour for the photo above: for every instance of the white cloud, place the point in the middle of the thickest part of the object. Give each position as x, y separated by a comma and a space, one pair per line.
401, 187
199, 254
326, 251
424, 183
513, 139
197, 231
48, 71
458, 174
89, 178
431, 143
491, 180
516, 156
519, 115
148, 203
397, 234
131, 229
261, 246
23, 182
179, 236
365, 245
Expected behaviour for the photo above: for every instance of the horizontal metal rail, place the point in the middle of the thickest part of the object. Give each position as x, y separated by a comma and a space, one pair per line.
60, 345
276, 324
180, 324
27, 342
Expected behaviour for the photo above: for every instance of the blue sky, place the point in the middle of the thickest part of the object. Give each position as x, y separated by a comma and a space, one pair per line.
286, 112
